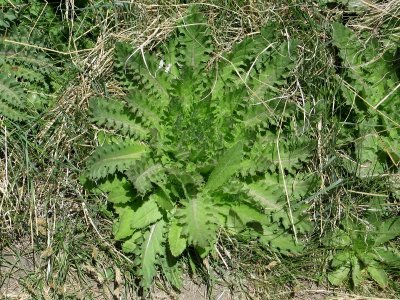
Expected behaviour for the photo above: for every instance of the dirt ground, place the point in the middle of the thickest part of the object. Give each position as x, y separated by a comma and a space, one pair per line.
16, 272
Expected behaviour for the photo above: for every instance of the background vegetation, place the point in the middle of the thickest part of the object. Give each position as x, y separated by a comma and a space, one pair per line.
335, 98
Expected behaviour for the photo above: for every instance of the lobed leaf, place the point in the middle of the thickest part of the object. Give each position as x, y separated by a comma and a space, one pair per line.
177, 243
387, 231
378, 274
144, 173
228, 165
197, 221
267, 195
124, 228
145, 214
152, 245
115, 157
339, 275
114, 115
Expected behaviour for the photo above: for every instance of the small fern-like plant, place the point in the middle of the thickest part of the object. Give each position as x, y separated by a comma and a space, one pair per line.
28, 77
194, 148
370, 84
361, 253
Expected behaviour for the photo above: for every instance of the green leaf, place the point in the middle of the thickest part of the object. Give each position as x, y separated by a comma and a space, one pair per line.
285, 244
338, 276
146, 214
341, 258
235, 63
367, 148
227, 165
195, 39
365, 256
11, 92
391, 145
357, 5
267, 195
144, 174
118, 188
387, 231
137, 103
124, 229
12, 113
12, 98
356, 275
378, 274
197, 221
248, 214
130, 246
301, 185
172, 269
389, 258
338, 239
152, 245
120, 195
276, 69
114, 115
184, 91
116, 157
177, 244
346, 41
162, 200
141, 69
233, 222
291, 154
